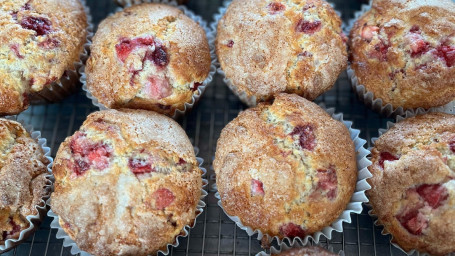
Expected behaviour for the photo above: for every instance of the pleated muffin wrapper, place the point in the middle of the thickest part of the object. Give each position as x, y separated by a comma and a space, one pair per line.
250, 101
68, 83
407, 114
68, 242
34, 220
353, 206
200, 90
284, 247
368, 98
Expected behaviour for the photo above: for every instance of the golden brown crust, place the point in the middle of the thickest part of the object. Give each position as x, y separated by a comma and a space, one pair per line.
266, 47
23, 169
306, 251
301, 158
126, 183
39, 40
404, 52
423, 159
122, 70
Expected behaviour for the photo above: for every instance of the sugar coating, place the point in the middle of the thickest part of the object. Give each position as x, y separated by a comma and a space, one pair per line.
126, 183
404, 52
273, 183
39, 40
267, 47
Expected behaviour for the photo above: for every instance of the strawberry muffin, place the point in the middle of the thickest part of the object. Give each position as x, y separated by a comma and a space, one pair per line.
126, 183
404, 52
306, 251
287, 169
39, 41
413, 183
270, 46
148, 56
23, 170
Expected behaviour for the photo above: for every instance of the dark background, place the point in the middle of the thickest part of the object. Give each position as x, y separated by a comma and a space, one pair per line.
215, 233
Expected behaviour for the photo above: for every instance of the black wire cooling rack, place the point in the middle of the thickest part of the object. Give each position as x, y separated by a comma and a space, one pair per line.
214, 233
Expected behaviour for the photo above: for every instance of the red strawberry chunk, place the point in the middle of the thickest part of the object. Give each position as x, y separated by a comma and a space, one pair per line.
159, 56
257, 188
195, 86
344, 37
15, 49
308, 27
140, 166
276, 7
447, 53
42, 26
99, 157
15, 229
327, 181
230, 44
126, 46
386, 156
307, 140
292, 230
88, 154
413, 221
433, 194
452, 146
380, 51
157, 88
368, 32
415, 29
417, 44
79, 143
163, 198
49, 43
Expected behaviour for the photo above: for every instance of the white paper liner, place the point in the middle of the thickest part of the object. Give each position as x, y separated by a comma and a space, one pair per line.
285, 247
368, 98
353, 206
68, 242
34, 220
201, 89
250, 101
68, 83
407, 114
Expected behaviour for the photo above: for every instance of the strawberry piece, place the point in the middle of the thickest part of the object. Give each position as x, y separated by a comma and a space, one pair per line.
452, 146
230, 44
195, 86
447, 53
292, 230
42, 26
368, 32
80, 167
160, 56
327, 181
308, 27
433, 194
386, 156
126, 46
87, 154
276, 7
306, 136
99, 156
140, 166
157, 88
15, 229
415, 29
417, 44
79, 144
343, 37
380, 51
257, 188
49, 43
15, 49
413, 221
163, 198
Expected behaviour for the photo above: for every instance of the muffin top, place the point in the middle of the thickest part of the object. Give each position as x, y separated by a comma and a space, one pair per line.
403, 51
270, 46
306, 251
126, 183
287, 169
413, 186
39, 40
23, 170
148, 56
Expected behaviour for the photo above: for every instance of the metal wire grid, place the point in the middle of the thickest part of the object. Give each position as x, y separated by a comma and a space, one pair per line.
214, 233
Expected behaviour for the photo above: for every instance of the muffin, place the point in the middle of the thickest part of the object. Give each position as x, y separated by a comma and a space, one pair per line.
413, 186
286, 169
404, 52
23, 170
126, 183
39, 42
269, 46
148, 56
131, 2
306, 251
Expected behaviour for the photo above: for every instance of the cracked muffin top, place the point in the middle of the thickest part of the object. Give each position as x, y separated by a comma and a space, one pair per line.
126, 183
270, 46
413, 186
148, 56
39, 40
306, 251
23, 170
403, 51
287, 169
